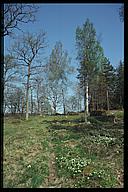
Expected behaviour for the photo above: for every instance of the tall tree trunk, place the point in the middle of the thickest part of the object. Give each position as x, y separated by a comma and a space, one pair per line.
63, 102
40, 109
92, 101
38, 101
107, 100
85, 114
11, 108
18, 105
4, 108
79, 104
54, 107
120, 100
22, 105
27, 93
31, 102
87, 103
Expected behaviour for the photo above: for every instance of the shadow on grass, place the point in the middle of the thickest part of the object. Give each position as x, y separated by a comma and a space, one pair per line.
93, 129
75, 125
64, 121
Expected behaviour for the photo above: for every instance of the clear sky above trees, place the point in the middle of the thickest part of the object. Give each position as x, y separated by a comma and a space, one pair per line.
60, 22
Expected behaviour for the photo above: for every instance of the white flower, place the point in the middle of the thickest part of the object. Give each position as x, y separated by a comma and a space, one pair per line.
29, 166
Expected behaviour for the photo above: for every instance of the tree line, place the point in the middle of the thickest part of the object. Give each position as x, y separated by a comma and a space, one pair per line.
34, 84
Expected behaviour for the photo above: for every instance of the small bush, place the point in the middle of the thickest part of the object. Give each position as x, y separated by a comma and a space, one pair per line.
119, 114
94, 120
111, 118
98, 113
72, 113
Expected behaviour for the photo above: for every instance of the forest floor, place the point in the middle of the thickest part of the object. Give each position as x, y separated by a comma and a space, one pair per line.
63, 152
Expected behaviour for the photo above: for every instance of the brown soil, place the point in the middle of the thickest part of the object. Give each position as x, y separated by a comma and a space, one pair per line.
71, 144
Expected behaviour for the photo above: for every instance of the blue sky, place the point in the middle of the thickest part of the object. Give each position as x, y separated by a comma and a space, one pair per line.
61, 20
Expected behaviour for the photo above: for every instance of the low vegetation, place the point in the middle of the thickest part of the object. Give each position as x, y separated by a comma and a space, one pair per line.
63, 152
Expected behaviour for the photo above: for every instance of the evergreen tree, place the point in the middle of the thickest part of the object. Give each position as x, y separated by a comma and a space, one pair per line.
108, 73
119, 92
89, 55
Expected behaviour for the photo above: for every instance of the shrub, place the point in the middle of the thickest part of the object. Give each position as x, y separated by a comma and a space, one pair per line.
94, 120
98, 113
72, 113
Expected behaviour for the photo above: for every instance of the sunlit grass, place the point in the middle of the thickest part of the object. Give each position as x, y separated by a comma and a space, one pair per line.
25, 153
85, 155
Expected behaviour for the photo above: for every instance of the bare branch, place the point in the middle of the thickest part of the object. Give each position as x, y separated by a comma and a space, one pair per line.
14, 14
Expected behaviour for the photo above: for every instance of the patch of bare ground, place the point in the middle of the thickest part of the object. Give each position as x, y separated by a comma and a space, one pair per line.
52, 181
70, 143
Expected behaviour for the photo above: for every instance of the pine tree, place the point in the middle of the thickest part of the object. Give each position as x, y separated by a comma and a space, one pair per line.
119, 92
106, 84
89, 55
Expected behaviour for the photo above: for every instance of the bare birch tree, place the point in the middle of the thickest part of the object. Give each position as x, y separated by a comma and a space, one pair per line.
26, 51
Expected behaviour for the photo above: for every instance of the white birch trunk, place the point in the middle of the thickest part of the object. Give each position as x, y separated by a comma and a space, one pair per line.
86, 104
87, 98
27, 107
27, 93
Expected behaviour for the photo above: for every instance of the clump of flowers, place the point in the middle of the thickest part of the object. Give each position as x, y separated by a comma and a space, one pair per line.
98, 173
104, 139
73, 165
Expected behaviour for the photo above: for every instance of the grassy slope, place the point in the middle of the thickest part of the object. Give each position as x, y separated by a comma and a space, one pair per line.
25, 153
62, 152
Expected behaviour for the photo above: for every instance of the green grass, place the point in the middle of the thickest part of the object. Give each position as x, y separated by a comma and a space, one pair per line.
85, 155
25, 153
117, 113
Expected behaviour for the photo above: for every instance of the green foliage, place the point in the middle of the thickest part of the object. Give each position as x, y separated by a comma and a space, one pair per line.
35, 173
58, 65
57, 75
119, 114
107, 71
73, 166
93, 120
89, 51
119, 91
